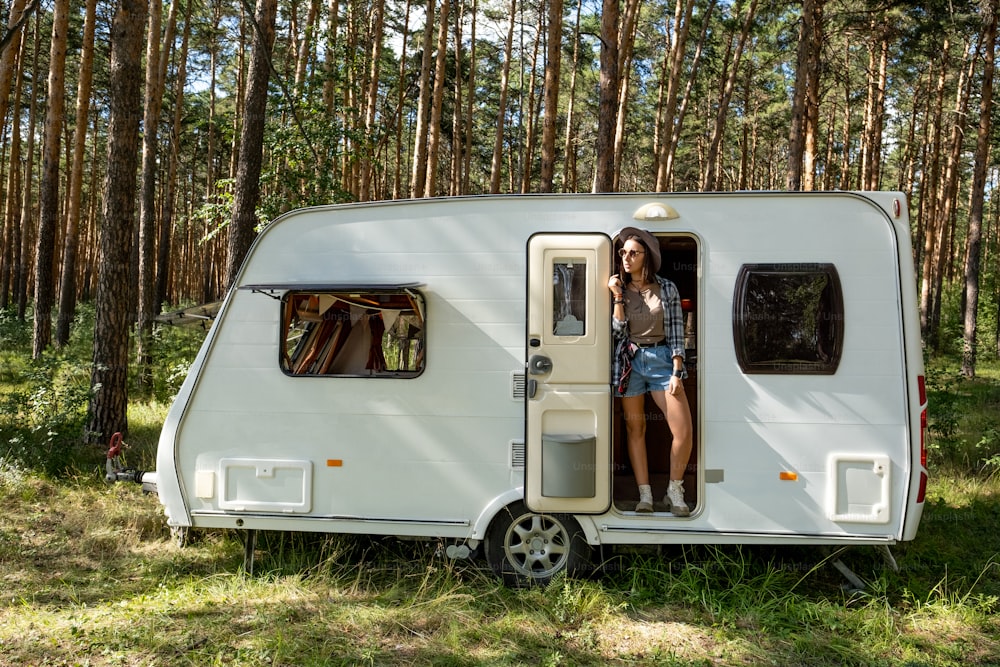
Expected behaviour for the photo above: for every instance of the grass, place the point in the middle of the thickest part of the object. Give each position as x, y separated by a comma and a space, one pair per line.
90, 575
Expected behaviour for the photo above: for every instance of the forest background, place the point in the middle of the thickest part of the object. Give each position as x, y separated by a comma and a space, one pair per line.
143, 144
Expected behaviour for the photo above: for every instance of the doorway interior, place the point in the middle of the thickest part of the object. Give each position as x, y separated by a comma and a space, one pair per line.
680, 265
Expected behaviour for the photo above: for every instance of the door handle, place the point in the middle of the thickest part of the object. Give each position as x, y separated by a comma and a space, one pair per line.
539, 364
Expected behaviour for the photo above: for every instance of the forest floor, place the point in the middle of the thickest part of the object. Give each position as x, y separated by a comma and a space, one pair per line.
90, 575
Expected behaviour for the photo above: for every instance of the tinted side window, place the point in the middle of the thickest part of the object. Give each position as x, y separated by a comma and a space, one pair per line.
356, 334
788, 318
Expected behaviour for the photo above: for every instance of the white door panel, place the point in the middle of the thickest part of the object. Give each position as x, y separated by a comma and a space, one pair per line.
568, 466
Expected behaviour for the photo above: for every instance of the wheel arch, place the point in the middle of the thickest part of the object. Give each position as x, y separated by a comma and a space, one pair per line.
481, 525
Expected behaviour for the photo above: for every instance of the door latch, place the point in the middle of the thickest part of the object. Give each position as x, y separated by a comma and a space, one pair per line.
539, 365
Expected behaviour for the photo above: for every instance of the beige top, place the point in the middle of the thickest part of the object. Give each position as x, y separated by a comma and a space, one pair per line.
644, 313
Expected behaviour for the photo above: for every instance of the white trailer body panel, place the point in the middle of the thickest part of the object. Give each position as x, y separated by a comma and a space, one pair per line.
438, 448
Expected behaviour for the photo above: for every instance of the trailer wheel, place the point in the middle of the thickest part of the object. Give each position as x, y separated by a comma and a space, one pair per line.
525, 548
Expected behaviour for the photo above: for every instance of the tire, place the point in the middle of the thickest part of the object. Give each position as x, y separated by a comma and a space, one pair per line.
527, 549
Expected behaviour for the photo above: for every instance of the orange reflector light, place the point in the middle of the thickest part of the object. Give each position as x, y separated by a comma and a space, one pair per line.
334, 463
788, 476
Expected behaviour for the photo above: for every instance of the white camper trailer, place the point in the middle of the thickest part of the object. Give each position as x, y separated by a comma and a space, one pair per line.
440, 368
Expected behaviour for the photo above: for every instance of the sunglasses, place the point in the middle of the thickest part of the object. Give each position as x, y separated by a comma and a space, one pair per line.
630, 253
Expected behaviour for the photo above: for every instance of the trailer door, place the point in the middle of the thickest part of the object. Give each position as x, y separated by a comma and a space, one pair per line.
568, 397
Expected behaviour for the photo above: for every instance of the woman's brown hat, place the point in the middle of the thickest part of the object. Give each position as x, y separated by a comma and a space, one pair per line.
648, 240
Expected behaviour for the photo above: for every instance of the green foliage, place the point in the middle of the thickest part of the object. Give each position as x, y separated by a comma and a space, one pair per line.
13, 334
213, 216
304, 153
173, 350
44, 402
963, 416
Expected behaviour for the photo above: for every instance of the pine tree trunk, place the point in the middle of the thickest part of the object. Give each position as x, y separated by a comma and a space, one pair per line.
67, 285
796, 129
457, 118
569, 146
371, 101
845, 137
331, 60
437, 101
163, 268
470, 102
418, 179
875, 170
109, 375
246, 192
531, 111
710, 181
979, 171
811, 130
553, 63
48, 217
670, 80
7, 58
12, 210
497, 164
604, 165
933, 225
874, 118
302, 54
24, 263
397, 183
626, 48
153, 101
947, 194
675, 124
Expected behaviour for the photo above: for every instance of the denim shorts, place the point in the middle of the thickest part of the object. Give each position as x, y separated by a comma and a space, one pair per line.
652, 368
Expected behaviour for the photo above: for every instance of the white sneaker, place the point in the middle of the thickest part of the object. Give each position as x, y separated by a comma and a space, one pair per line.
675, 499
645, 504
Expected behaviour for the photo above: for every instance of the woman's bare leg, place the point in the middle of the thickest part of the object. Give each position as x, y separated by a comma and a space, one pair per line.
678, 413
635, 427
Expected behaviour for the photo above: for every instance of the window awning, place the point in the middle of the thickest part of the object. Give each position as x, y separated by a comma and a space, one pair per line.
332, 287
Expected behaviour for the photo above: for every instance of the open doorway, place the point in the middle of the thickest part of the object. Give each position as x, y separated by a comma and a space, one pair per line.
680, 265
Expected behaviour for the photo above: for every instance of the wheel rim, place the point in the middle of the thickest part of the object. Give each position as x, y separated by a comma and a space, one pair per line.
536, 545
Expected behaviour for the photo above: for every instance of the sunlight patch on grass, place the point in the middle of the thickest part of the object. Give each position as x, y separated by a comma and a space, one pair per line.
629, 638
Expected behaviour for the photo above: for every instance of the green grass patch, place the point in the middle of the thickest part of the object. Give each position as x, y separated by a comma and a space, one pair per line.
91, 575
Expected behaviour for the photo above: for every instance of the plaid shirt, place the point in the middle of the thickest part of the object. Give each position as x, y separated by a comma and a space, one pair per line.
673, 328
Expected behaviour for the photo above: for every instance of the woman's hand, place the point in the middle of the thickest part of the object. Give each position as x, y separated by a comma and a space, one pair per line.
615, 285
676, 386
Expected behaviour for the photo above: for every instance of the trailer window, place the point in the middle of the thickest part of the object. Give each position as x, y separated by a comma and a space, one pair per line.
354, 334
788, 318
569, 297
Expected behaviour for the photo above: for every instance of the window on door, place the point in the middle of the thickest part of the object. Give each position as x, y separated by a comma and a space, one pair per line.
569, 297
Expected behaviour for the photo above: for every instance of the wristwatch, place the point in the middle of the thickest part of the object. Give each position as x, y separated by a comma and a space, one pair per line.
678, 373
